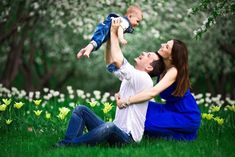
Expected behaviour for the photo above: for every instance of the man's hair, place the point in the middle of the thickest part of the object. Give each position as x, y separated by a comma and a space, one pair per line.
158, 66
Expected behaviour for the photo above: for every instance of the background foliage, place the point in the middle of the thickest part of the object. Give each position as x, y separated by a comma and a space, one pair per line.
39, 41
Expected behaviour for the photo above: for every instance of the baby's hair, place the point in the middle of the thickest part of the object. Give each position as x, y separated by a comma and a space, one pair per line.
133, 9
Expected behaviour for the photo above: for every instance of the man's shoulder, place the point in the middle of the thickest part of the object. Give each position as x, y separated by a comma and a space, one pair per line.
142, 76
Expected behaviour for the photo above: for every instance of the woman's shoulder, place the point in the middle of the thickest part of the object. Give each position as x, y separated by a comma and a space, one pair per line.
172, 71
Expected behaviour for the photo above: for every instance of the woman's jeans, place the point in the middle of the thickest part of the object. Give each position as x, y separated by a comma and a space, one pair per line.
98, 130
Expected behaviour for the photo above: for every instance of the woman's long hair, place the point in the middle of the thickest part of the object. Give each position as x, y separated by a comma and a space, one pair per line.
180, 61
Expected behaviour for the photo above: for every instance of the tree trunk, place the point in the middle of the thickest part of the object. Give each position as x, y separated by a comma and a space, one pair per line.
13, 61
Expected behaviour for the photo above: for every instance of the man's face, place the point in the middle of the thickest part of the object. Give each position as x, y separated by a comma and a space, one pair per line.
145, 59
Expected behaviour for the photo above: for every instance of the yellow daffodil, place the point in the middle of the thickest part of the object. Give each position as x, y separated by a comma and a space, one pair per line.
3, 107
38, 112
209, 116
8, 121
61, 116
204, 115
48, 115
215, 108
219, 120
231, 107
37, 102
18, 105
63, 112
6, 101
93, 103
107, 107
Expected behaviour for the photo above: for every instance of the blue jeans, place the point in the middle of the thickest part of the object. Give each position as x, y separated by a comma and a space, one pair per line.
98, 130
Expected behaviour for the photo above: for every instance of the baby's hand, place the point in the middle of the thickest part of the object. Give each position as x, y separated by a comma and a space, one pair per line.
123, 41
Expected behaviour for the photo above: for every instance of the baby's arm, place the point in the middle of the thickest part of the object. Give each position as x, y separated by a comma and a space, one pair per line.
121, 35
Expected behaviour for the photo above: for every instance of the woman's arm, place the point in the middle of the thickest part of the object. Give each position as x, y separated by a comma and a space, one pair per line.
145, 95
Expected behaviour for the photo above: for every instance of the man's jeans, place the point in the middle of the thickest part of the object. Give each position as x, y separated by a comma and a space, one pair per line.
98, 130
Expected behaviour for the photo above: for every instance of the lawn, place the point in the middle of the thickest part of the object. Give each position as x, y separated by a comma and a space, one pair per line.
30, 125
209, 143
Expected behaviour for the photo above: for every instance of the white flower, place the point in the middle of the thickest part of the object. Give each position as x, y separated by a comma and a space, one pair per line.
45, 90
30, 95
189, 11
208, 94
112, 98
71, 96
203, 27
88, 95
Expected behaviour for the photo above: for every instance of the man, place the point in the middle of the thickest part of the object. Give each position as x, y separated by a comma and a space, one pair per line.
128, 125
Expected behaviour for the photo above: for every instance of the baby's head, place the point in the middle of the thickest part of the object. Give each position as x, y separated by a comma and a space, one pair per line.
134, 14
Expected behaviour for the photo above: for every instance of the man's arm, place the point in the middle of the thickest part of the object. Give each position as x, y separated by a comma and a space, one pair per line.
108, 58
116, 53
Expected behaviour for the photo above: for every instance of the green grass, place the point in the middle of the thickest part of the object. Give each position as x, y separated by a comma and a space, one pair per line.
209, 143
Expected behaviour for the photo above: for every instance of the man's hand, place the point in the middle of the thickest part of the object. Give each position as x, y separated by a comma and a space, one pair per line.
119, 102
115, 24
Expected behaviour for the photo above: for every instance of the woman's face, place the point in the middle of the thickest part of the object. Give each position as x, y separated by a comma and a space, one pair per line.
166, 48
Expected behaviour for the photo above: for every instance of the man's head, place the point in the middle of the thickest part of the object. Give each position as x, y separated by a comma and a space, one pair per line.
150, 62
134, 14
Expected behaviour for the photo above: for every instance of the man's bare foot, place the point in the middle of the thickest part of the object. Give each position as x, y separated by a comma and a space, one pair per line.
81, 53
89, 48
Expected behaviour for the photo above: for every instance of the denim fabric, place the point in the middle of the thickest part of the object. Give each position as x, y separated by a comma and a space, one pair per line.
98, 130
102, 31
111, 68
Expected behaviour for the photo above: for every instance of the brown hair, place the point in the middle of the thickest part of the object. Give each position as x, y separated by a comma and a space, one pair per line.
180, 61
158, 66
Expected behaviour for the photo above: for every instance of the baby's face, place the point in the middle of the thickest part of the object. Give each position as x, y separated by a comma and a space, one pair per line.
135, 19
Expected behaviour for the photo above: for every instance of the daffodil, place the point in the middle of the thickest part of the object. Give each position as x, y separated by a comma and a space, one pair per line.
48, 115
6, 101
93, 103
18, 105
231, 107
107, 107
61, 116
3, 107
38, 112
204, 115
63, 112
37, 102
209, 116
8, 121
215, 108
219, 120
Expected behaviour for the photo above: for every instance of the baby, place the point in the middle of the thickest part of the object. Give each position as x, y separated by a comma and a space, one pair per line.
131, 20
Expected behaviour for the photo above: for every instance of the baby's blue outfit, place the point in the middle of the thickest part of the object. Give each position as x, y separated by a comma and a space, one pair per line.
102, 32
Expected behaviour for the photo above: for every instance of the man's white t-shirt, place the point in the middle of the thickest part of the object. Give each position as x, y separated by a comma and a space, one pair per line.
132, 118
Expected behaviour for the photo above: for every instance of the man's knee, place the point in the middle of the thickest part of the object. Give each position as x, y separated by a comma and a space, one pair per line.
79, 109
110, 126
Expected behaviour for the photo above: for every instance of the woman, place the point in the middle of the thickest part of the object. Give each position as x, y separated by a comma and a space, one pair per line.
179, 118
